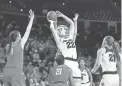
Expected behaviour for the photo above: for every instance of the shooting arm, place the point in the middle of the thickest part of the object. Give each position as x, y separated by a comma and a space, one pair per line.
72, 26
55, 35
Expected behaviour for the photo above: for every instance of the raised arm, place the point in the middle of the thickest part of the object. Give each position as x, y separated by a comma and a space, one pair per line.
75, 24
59, 14
54, 32
67, 19
28, 29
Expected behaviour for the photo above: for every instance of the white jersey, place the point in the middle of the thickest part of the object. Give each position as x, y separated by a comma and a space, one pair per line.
68, 48
108, 61
84, 76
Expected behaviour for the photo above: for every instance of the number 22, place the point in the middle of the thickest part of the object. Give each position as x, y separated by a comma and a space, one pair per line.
70, 44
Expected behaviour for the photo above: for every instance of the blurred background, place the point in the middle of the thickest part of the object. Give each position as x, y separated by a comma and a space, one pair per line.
97, 19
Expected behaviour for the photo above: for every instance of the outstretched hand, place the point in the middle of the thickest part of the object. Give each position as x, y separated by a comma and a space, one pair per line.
31, 14
59, 14
76, 16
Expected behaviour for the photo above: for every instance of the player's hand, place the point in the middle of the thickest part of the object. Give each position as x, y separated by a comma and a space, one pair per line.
51, 21
31, 14
76, 16
59, 14
95, 72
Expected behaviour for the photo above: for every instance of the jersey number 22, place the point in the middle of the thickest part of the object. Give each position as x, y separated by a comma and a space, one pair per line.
70, 44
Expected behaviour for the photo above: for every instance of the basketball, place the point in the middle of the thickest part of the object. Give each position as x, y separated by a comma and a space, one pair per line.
52, 15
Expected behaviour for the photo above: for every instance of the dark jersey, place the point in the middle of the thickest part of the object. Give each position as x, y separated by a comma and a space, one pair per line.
59, 74
15, 57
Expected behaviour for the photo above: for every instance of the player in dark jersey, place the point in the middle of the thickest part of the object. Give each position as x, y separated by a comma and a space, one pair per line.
13, 71
60, 75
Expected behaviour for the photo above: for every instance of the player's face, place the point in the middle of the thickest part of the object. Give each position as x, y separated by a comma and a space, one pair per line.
82, 63
63, 31
31, 81
19, 37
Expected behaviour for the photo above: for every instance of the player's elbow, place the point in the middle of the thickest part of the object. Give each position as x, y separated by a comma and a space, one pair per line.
71, 23
97, 65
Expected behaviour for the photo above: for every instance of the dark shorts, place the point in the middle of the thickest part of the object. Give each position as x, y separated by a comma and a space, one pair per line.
13, 78
13, 81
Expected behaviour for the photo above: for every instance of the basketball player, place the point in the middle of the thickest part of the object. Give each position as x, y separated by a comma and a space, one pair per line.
119, 63
86, 76
65, 40
60, 75
107, 57
13, 71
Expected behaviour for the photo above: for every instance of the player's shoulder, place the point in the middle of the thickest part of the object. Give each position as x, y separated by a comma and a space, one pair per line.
87, 69
70, 70
7, 45
53, 69
63, 66
101, 50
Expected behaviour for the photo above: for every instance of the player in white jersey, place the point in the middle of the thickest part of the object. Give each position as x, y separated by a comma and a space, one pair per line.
119, 63
86, 76
65, 40
107, 57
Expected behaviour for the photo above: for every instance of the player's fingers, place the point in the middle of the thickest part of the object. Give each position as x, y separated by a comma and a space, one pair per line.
28, 16
77, 14
58, 12
30, 11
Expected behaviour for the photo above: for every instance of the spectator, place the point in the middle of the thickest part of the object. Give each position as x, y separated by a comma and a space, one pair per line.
2, 58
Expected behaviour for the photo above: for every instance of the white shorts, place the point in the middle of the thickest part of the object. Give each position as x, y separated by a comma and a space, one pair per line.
87, 84
74, 66
78, 83
110, 80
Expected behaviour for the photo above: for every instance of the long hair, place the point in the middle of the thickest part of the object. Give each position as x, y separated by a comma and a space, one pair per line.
12, 38
109, 41
116, 48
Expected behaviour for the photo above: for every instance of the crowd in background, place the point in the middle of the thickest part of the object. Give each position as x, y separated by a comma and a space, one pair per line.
39, 52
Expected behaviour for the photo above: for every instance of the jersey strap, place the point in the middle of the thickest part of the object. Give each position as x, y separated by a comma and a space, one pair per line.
76, 77
71, 59
109, 72
85, 83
